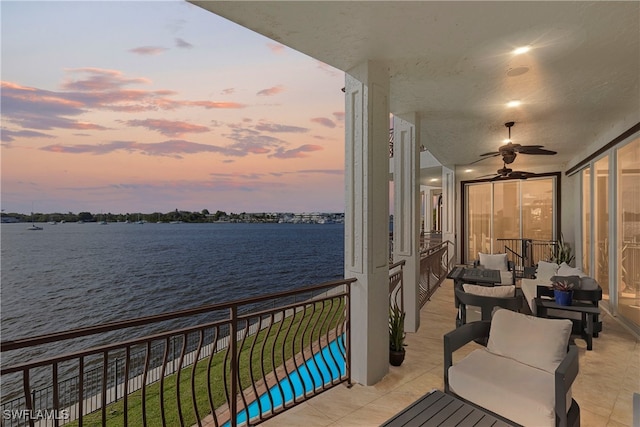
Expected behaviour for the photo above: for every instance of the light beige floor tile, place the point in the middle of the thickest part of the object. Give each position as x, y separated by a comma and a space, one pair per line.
608, 374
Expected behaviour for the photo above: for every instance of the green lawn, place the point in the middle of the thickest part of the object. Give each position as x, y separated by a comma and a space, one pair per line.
287, 338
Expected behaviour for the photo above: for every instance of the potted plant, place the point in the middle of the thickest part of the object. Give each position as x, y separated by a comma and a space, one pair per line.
563, 252
563, 292
396, 335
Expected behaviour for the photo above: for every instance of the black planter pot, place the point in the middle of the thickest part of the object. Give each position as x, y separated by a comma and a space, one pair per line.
396, 357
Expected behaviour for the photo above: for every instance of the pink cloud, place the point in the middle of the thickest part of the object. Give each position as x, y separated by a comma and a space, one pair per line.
168, 127
279, 128
295, 153
324, 122
170, 148
228, 91
10, 135
328, 69
148, 50
86, 89
271, 91
211, 104
276, 48
99, 79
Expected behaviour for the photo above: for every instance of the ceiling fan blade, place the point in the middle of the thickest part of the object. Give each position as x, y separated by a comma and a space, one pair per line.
535, 150
484, 158
492, 154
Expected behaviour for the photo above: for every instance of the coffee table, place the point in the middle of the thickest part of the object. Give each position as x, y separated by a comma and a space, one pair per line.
439, 409
479, 276
588, 311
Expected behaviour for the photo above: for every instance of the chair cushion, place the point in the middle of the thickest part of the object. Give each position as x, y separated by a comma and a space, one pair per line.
546, 270
530, 291
506, 278
490, 291
494, 261
514, 390
541, 343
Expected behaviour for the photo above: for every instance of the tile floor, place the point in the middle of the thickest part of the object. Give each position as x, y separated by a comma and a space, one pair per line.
609, 375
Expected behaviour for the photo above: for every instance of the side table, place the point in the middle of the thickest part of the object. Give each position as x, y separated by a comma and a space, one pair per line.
588, 311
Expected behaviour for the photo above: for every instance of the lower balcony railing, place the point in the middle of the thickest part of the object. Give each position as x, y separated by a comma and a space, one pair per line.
434, 266
254, 358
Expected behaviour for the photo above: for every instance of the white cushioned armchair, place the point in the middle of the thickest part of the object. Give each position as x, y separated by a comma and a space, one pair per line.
524, 374
498, 262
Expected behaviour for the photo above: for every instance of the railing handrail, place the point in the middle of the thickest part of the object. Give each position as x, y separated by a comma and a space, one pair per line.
20, 343
397, 264
229, 335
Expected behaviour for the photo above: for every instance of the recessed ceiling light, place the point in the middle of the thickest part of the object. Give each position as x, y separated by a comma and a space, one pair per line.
512, 104
434, 180
521, 50
468, 170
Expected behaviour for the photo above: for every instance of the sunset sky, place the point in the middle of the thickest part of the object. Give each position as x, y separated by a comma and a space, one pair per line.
147, 107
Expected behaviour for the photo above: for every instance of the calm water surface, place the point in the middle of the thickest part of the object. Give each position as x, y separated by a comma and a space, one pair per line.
71, 275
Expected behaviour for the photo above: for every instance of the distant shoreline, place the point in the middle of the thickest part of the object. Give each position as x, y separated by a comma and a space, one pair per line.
177, 217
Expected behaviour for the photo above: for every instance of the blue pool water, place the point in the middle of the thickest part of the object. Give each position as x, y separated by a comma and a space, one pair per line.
325, 366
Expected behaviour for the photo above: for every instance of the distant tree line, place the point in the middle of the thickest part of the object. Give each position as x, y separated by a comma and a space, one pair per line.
177, 215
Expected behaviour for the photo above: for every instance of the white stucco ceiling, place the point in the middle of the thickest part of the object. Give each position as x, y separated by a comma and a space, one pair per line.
452, 63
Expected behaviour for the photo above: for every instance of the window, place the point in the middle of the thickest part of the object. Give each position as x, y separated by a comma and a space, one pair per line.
501, 214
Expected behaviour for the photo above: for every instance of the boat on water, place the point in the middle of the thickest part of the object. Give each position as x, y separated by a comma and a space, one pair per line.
33, 226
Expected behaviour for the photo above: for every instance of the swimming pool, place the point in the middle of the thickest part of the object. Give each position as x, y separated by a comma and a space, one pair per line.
325, 366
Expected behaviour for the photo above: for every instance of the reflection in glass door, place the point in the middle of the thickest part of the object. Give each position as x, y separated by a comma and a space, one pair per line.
586, 220
628, 273
601, 224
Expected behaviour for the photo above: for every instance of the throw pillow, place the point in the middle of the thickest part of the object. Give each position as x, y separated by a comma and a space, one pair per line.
545, 271
566, 270
588, 283
534, 341
490, 291
494, 261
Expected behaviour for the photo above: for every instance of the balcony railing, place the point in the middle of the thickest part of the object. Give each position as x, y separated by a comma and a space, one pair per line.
434, 266
396, 285
527, 252
255, 357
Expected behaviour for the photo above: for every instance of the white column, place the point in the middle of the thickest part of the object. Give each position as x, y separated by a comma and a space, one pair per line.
406, 212
367, 218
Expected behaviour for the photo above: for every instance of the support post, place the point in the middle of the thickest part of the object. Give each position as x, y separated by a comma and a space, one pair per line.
367, 218
406, 211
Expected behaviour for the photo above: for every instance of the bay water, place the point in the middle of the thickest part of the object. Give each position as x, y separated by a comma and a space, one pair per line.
74, 275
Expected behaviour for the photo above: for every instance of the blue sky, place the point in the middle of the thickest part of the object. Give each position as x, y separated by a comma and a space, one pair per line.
155, 106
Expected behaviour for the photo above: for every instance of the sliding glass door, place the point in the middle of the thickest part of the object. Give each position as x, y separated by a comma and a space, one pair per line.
511, 209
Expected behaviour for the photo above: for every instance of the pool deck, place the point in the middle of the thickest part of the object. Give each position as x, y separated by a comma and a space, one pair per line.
608, 377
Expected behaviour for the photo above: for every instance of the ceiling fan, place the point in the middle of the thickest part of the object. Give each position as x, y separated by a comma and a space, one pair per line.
511, 150
508, 173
